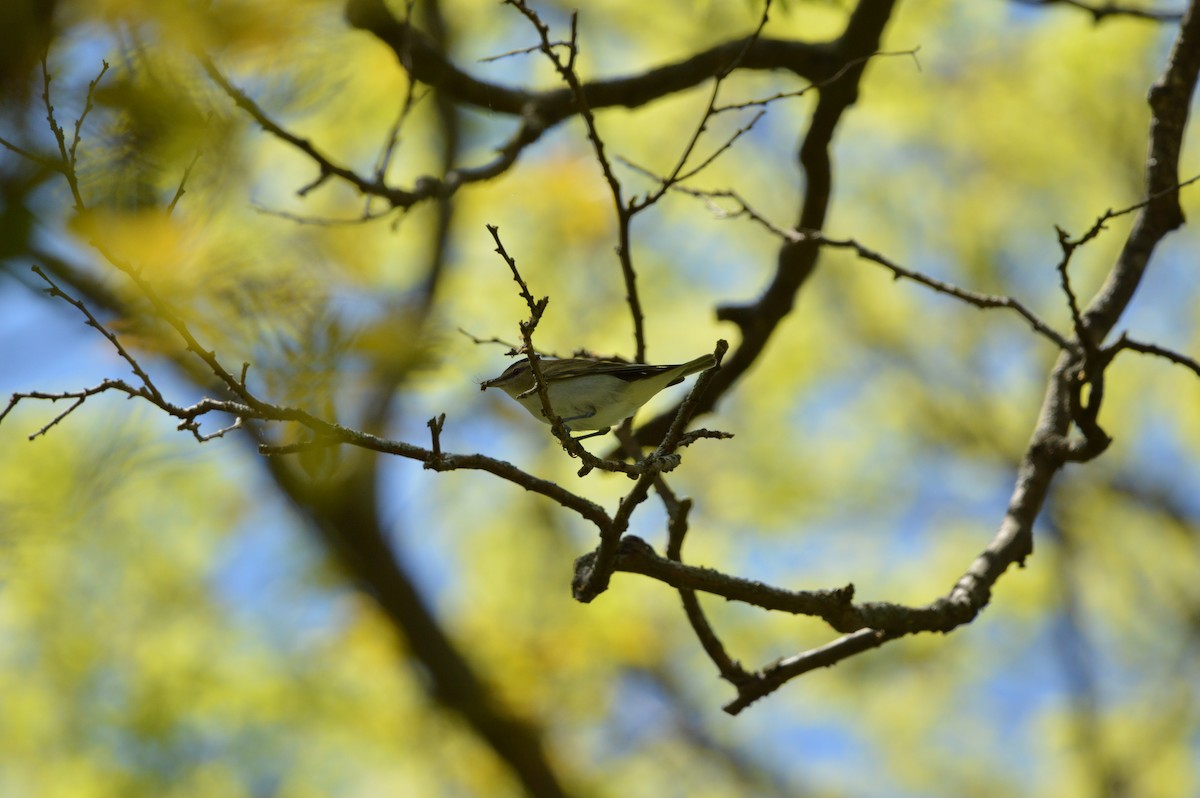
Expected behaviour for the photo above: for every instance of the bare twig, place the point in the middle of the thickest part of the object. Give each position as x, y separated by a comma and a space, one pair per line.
774, 676
1068, 248
66, 152
435, 434
194, 428
393, 137
55, 291
536, 48
512, 348
182, 189
78, 396
536, 112
762, 102
677, 527
88, 105
1069, 245
41, 160
566, 69
730, 669
634, 555
1125, 342
326, 166
536, 307
677, 174
320, 221
975, 298
1100, 11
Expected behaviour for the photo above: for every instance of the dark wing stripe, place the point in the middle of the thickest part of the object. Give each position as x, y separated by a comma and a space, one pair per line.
625, 371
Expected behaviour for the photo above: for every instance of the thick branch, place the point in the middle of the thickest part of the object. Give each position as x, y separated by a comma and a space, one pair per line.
1170, 99
426, 63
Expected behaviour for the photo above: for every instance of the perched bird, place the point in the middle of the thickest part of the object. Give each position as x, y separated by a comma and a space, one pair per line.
591, 394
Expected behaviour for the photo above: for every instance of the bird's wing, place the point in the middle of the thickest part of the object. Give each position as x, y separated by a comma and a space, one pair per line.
622, 371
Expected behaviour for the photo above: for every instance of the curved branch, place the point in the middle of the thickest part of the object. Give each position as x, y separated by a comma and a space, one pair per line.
425, 62
797, 259
1170, 98
1050, 448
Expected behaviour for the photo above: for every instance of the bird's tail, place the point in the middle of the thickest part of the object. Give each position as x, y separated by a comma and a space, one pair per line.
702, 363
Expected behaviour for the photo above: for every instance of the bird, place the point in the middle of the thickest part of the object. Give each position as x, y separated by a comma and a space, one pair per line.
591, 394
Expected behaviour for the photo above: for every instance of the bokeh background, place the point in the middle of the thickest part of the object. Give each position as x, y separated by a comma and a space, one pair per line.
170, 625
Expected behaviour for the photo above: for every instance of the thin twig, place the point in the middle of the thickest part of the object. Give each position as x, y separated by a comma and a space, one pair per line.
1125, 342
32, 157
522, 51
94, 323
78, 396
326, 166
527, 327
1068, 248
677, 528
66, 156
320, 221
536, 307
975, 298
88, 105
624, 247
677, 174
1100, 11
816, 86
393, 137
182, 188
436, 424
779, 673
495, 340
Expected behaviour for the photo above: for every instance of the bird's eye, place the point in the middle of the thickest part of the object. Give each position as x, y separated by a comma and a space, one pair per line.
512, 371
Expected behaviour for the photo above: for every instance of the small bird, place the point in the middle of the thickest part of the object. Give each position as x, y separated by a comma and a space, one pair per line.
591, 394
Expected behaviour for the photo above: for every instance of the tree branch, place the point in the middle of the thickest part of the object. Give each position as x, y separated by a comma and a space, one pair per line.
1050, 448
797, 259
1103, 11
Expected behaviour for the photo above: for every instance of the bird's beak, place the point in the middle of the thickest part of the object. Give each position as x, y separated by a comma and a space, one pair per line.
483, 386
